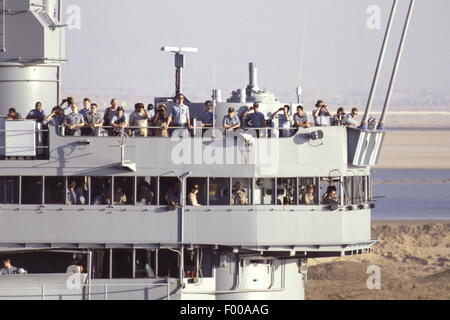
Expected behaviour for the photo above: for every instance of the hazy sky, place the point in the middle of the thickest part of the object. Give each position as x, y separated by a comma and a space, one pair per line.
117, 50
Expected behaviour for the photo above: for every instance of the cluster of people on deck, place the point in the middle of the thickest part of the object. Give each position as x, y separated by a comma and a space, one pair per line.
156, 121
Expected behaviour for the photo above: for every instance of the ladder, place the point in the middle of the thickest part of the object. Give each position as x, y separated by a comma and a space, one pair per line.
2, 26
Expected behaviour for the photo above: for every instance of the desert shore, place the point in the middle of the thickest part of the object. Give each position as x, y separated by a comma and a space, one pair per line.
416, 149
414, 262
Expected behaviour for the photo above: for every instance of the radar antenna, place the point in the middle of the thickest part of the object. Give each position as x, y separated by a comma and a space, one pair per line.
179, 64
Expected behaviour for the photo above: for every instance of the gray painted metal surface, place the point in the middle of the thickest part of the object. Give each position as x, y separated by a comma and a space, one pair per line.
35, 49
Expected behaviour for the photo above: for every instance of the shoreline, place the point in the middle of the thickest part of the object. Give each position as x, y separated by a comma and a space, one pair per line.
406, 221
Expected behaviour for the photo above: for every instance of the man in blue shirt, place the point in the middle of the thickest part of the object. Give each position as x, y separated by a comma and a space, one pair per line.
231, 120
255, 119
73, 122
284, 120
179, 117
208, 116
37, 113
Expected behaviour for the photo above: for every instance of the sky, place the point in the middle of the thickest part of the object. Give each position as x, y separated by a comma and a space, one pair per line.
116, 50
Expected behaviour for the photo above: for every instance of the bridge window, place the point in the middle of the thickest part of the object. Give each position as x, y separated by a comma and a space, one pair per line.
145, 264
32, 190
219, 191
9, 190
101, 190
264, 191
124, 190
241, 192
196, 191
122, 264
309, 191
54, 190
355, 190
147, 190
287, 191
331, 190
169, 191
77, 192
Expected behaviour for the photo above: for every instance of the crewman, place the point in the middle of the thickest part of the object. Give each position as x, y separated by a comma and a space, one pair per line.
8, 268
231, 120
192, 197
239, 195
37, 113
73, 122
308, 197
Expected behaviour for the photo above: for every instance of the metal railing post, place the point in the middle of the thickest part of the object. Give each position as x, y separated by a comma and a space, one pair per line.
168, 289
106, 291
43, 292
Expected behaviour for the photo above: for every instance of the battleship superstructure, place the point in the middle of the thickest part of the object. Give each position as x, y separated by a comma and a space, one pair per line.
141, 248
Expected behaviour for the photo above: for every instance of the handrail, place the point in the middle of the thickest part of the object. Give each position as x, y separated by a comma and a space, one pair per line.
106, 286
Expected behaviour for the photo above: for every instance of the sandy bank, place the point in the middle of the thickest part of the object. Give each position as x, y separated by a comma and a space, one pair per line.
413, 256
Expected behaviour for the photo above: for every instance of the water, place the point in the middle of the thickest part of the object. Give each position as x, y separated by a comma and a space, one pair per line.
412, 194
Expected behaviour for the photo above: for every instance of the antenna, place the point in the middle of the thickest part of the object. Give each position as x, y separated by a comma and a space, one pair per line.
179, 64
302, 52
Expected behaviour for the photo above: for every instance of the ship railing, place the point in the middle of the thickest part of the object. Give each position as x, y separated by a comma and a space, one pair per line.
195, 131
28, 147
86, 291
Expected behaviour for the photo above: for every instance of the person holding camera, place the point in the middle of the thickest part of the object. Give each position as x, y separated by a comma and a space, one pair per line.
284, 120
69, 101
161, 120
139, 120
56, 118
339, 119
322, 114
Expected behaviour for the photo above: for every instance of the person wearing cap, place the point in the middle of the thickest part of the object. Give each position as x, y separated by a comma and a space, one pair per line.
139, 120
231, 120
301, 118
119, 121
192, 197
308, 197
239, 197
